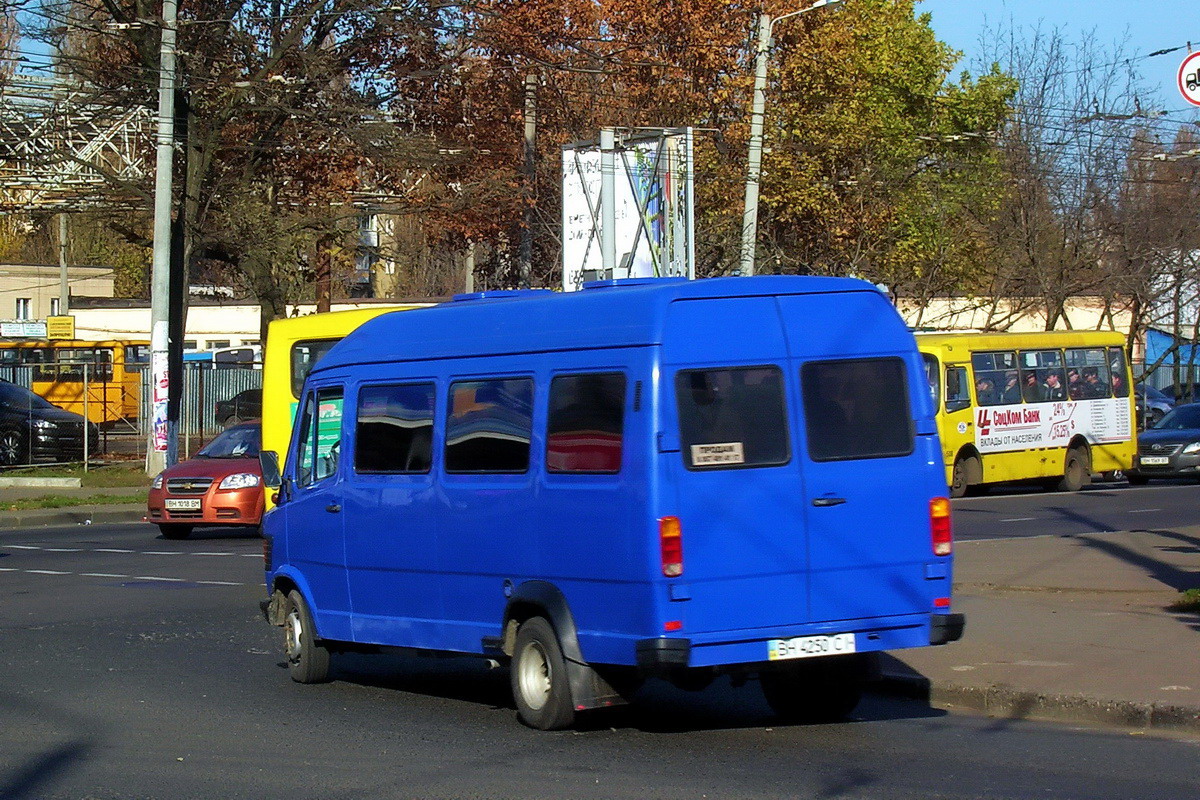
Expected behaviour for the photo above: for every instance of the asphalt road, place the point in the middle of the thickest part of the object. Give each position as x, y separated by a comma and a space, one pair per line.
140, 668
1101, 507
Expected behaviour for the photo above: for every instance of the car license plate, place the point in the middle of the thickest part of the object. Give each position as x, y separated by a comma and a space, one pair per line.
185, 504
810, 646
1155, 461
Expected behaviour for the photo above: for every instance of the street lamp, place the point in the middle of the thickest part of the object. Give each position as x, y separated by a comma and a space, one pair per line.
750, 212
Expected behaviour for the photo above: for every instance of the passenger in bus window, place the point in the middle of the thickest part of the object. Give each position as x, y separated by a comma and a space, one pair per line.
1032, 391
985, 392
1074, 385
1054, 388
1119, 387
1011, 392
1092, 387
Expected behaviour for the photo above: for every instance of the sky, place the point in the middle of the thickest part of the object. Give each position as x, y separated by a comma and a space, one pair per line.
1149, 24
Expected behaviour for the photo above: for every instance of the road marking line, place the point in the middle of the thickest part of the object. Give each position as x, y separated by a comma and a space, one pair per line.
63, 549
1019, 519
155, 578
162, 552
103, 575
250, 555
21, 547
211, 554
1143, 510
9, 569
47, 572
110, 550
220, 583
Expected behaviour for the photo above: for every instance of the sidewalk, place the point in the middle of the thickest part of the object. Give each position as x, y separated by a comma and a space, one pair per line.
1070, 628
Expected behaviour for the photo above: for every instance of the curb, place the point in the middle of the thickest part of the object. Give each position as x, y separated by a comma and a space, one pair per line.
1007, 702
74, 515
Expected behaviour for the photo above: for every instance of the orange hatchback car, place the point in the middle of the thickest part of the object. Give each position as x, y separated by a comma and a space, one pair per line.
222, 485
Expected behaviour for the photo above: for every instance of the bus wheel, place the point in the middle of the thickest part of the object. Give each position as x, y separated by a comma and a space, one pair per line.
175, 531
308, 662
1077, 472
12, 448
826, 689
961, 477
539, 678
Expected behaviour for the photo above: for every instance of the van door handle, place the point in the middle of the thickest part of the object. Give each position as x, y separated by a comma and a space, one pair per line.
333, 508
821, 502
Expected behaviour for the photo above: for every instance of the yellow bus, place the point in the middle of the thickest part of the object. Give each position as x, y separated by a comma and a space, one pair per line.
105, 378
294, 345
1053, 406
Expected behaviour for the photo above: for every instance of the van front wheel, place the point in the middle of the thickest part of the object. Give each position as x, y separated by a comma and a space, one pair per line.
1077, 471
539, 678
308, 661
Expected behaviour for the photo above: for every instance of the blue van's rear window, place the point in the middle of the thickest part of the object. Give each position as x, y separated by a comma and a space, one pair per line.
856, 409
730, 418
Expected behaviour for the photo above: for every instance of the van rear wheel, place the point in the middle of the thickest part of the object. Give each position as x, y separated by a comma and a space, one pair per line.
824, 689
539, 678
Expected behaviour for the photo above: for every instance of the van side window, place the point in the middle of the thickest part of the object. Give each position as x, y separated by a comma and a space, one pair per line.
732, 418
323, 435
490, 425
586, 423
997, 382
394, 429
1087, 373
957, 395
1116, 364
304, 444
856, 409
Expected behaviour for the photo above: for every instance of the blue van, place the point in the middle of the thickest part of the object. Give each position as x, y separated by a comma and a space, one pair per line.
666, 478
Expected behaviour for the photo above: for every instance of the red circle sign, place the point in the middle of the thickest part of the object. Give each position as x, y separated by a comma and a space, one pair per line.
1189, 78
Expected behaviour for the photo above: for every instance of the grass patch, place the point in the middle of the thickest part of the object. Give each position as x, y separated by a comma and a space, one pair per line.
103, 476
1187, 601
52, 501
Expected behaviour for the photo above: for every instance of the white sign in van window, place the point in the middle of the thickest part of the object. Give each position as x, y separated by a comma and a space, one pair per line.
712, 455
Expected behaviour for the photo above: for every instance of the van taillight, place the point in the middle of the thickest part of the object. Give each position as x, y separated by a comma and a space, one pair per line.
670, 540
939, 526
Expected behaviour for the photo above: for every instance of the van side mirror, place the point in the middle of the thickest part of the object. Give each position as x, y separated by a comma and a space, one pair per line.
268, 461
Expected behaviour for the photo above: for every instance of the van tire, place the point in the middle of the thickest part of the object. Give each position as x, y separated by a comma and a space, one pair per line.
307, 660
1077, 470
825, 689
538, 675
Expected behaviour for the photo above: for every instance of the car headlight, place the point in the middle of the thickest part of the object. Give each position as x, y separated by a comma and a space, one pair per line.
1194, 447
158, 481
43, 424
240, 480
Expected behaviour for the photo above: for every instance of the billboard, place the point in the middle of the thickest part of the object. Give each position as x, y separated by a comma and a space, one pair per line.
651, 208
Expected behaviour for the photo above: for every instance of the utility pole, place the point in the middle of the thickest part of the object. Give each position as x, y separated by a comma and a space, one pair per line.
608, 202
526, 251
161, 429
757, 111
64, 289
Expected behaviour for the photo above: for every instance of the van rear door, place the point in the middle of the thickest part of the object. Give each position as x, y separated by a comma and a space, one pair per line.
868, 451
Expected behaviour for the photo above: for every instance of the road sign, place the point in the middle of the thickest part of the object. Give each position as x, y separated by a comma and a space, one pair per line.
60, 327
1189, 78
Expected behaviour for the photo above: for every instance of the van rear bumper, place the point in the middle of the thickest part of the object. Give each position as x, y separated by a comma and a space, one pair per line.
720, 649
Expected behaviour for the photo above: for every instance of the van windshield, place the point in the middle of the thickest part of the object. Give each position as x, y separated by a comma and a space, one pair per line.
731, 418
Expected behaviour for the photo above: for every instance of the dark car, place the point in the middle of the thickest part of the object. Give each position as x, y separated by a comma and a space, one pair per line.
222, 485
246, 404
1183, 393
1171, 449
34, 430
1152, 404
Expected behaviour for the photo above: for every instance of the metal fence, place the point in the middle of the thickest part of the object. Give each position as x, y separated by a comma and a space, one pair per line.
203, 388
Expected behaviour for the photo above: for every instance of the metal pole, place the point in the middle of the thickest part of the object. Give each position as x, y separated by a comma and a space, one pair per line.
160, 286
526, 250
754, 170
608, 202
64, 290
87, 422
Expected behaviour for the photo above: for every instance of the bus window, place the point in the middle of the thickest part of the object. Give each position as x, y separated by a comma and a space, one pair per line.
137, 356
1087, 373
1116, 365
304, 356
732, 417
957, 395
490, 426
932, 377
586, 424
394, 429
1042, 376
997, 381
856, 409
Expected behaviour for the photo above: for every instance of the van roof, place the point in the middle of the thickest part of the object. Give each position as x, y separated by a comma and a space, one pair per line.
604, 314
